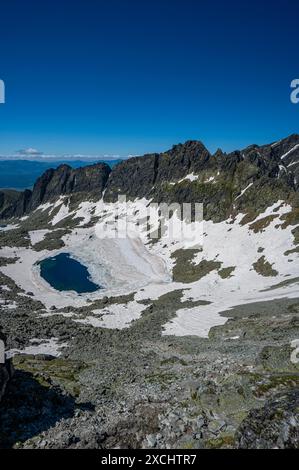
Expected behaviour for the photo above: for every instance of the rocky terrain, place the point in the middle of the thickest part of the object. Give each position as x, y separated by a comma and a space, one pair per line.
204, 361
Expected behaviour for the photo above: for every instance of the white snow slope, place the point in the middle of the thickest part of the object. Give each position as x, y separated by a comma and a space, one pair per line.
132, 264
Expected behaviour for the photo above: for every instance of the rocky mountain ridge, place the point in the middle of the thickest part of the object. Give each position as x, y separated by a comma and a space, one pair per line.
186, 173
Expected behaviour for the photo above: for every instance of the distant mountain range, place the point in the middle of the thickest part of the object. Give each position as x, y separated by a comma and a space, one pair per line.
22, 174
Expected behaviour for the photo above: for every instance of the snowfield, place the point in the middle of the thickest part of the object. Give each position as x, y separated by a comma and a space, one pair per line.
133, 264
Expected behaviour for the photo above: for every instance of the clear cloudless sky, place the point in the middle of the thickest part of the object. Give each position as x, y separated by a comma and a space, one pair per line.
128, 77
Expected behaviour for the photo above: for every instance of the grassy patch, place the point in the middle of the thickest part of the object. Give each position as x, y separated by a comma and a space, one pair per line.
291, 218
222, 442
52, 241
261, 224
264, 268
294, 250
61, 372
161, 378
186, 271
6, 261
285, 283
173, 360
14, 238
225, 273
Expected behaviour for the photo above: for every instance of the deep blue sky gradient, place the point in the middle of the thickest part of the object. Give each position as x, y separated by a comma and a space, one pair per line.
124, 77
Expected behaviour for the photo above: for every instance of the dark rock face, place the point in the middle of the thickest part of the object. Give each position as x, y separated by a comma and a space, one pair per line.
142, 176
221, 178
5, 369
134, 177
20, 207
65, 180
13, 203
52, 184
150, 176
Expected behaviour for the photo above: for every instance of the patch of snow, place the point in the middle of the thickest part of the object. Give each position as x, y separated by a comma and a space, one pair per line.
115, 316
84, 212
43, 207
244, 191
193, 322
293, 163
210, 180
61, 214
290, 151
6, 228
7, 304
283, 168
5, 288
191, 177
37, 236
40, 346
276, 143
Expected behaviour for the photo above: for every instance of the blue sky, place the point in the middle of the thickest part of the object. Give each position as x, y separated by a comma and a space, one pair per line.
126, 77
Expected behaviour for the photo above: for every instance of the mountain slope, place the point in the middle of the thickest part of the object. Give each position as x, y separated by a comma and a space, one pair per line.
249, 235
190, 342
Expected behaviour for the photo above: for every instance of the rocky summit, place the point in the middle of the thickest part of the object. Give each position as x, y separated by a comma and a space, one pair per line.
189, 344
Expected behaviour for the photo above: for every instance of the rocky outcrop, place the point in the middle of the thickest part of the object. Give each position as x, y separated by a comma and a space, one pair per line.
274, 426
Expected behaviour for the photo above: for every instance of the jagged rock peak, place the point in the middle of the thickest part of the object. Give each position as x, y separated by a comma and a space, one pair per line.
193, 145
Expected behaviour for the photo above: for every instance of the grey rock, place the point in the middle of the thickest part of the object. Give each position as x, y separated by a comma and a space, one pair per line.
275, 425
151, 440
